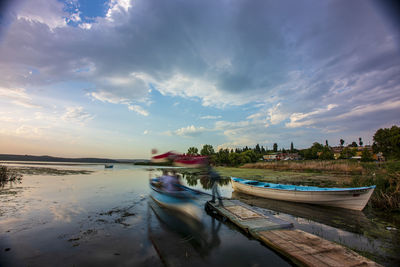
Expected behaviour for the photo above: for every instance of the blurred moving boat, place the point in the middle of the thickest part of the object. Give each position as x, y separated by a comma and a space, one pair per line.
181, 201
348, 198
108, 166
191, 161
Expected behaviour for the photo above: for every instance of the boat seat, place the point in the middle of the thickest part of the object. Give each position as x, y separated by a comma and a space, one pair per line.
253, 183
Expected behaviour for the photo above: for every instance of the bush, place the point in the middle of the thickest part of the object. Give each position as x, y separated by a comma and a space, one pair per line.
8, 175
366, 156
386, 177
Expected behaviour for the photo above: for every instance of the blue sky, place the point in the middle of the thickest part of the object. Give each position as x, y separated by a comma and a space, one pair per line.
118, 78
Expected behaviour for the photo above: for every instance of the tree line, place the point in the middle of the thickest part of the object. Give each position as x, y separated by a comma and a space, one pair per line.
386, 141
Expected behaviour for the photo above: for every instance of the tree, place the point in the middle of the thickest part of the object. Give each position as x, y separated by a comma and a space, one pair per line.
360, 142
257, 148
366, 156
312, 152
275, 147
341, 142
250, 155
291, 147
353, 144
387, 141
262, 150
193, 151
347, 153
207, 150
234, 159
326, 143
326, 154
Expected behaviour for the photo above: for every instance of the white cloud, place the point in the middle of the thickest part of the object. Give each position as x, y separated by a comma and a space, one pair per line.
30, 132
146, 132
77, 114
199, 87
190, 131
276, 115
48, 12
305, 119
17, 96
210, 117
363, 110
117, 8
255, 116
85, 26
138, 109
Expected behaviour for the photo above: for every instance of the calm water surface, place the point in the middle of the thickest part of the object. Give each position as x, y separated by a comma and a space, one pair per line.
106, 218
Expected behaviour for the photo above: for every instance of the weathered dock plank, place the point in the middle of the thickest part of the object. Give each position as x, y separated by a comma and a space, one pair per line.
311, 250
300, 247
246, 218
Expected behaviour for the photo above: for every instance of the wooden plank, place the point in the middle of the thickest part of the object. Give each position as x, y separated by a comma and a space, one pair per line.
243, 213
300, 247
311, 250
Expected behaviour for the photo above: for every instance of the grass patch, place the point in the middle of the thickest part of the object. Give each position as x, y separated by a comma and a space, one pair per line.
47, 171
386, 177
288, 177
331, 166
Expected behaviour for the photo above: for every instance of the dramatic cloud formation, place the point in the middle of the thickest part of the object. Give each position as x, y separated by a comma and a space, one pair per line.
303, 67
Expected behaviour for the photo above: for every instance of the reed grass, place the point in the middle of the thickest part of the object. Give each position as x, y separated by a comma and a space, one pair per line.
331, 166
386, 177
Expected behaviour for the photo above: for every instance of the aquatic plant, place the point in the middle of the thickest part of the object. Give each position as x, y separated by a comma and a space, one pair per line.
386, 177
8, 175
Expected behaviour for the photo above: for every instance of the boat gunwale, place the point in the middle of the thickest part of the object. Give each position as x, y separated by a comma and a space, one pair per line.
364, 189
184, 193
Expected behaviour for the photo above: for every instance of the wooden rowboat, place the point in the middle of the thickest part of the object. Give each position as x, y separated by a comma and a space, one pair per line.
179, 201
348, 198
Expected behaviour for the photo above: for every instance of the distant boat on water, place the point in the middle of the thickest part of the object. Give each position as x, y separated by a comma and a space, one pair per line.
348, 198
108, 166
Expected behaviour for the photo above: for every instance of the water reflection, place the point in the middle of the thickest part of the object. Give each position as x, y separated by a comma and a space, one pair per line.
105, 218
186, 229
192, 178
354, 229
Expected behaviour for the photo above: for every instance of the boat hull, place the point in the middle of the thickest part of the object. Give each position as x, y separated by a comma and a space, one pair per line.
354, 199
183, 205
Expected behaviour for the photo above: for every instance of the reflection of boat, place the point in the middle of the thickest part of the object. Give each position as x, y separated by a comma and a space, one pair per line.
352, 220
108, 166
173, 233
348, 198
180, 201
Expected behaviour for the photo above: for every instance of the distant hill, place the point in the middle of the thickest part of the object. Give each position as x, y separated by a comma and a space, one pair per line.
12, 157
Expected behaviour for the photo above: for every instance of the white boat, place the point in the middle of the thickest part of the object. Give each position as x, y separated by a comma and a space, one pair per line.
348, 198
178, 201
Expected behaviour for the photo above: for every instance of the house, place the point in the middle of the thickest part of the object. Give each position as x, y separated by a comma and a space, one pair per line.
281, 156
270, 157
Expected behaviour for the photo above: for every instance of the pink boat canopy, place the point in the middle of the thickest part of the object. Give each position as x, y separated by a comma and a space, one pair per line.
165, 157
191, 161
182, 160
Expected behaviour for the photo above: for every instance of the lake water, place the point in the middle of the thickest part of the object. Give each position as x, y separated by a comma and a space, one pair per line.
107, 218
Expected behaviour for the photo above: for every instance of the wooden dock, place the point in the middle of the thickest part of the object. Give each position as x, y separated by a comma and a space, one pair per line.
302, 248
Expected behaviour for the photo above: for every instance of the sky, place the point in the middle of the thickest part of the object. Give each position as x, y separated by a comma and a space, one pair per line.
116, 78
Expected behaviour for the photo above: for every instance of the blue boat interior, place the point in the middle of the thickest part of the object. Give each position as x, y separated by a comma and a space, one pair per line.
294, 187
